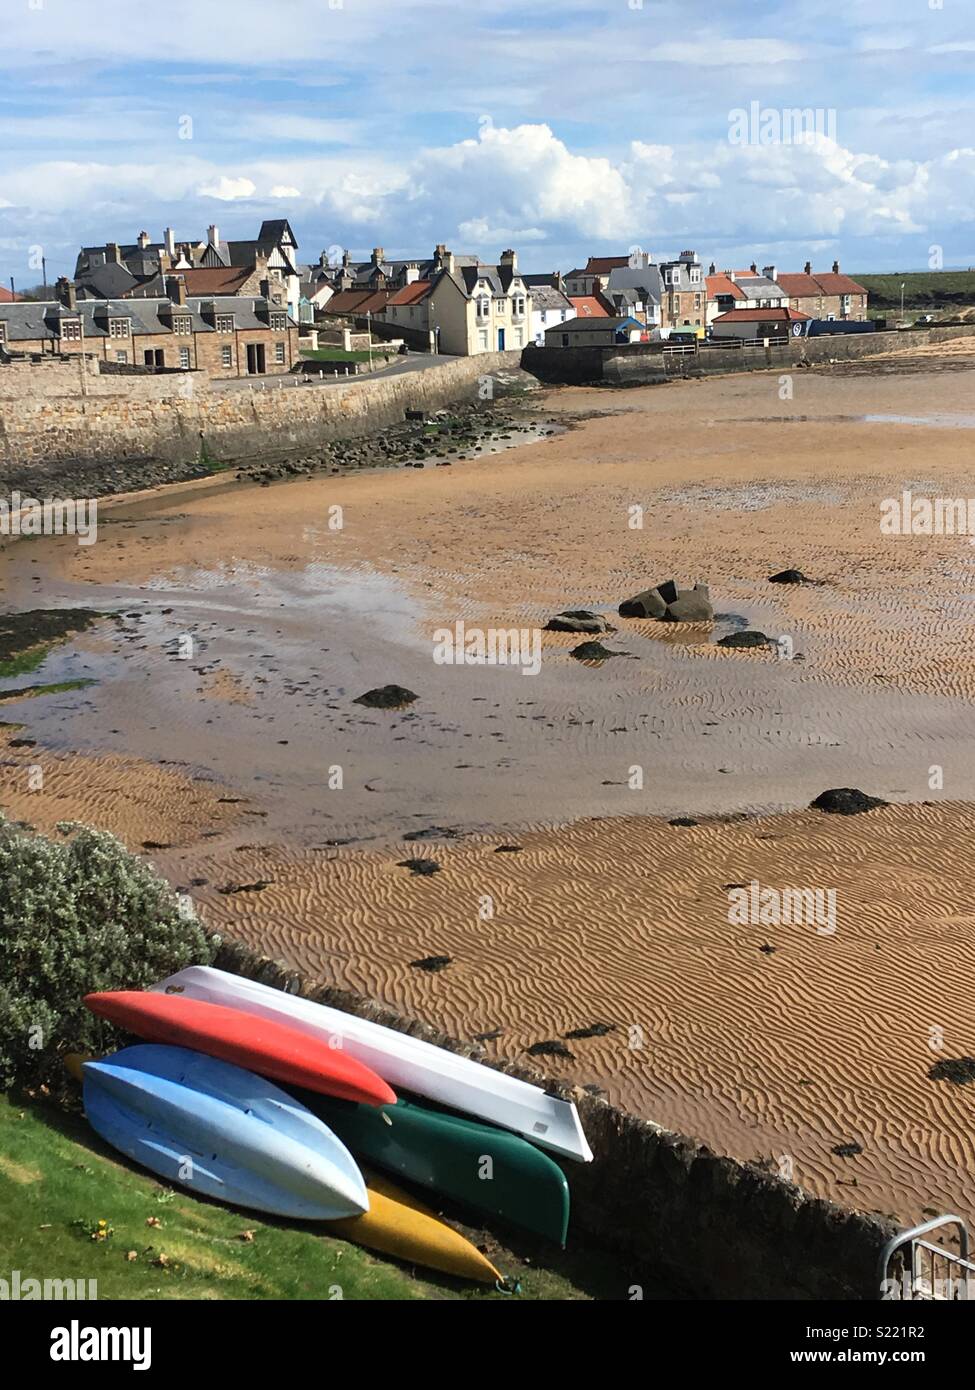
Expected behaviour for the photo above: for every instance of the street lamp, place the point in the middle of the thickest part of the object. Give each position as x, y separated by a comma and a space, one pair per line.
903, 284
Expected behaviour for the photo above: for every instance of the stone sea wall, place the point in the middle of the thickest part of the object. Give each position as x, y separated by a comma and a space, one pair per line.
710, 1227
149, 430
648, 364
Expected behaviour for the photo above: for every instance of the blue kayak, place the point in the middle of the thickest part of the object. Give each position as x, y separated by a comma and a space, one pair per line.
221, 1132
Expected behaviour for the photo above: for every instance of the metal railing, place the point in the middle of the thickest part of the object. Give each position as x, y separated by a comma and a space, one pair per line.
928, 1272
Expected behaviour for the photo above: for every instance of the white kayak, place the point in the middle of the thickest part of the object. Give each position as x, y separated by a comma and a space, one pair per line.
401, 1060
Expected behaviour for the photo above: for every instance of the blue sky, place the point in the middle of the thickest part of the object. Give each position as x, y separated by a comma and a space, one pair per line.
562, 127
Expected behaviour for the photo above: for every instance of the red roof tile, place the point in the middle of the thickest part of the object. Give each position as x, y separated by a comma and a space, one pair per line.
588, 306
762, 316
602, 265
8, 297
798, 286
222, 279
411, 294
838, 284
357, 302
723, 284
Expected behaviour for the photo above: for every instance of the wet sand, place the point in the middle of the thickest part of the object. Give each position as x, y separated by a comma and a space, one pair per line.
769, 1042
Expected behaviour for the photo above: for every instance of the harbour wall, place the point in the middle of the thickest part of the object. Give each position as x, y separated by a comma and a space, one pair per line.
673, 1211
132, 432
642, 364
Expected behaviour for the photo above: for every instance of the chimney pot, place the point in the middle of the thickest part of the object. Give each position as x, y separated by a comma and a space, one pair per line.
753, 268
836, 267
66, 293
807, 268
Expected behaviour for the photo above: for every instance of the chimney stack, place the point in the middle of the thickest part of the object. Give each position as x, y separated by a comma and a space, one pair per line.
712, 269
378, 255
143, 240
836, 267
169, 237
66, 293
753, 268
213, 235
510, 258
807, 268
769, 272
113, 253
176, 288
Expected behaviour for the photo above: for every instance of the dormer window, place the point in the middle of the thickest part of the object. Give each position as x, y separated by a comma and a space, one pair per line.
118, 328
225, 323
483, 306
182, 324
695, 275
279, 323
71, 330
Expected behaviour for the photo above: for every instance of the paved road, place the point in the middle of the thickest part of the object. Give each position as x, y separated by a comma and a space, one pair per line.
415, 362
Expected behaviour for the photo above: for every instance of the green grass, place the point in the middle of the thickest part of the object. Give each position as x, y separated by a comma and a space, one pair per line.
28, 692
923, 290
27, 661
58, 1181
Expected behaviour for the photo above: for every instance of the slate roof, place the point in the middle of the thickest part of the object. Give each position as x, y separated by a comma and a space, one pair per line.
26, 321
546, 296
607, 322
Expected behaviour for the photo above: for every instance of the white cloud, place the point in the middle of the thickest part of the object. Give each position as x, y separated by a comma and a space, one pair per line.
281, 190
227, 189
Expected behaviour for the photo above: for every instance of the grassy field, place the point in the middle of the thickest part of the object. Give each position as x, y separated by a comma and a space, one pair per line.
925, 291
70, 1208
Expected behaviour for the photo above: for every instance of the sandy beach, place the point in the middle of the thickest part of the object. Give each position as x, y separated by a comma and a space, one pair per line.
565, 899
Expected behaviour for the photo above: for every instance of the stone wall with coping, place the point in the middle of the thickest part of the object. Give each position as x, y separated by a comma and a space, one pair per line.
673, 1210
135, 432
649, 364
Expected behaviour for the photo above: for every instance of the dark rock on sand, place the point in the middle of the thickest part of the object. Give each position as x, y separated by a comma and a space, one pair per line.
508, 849
489, 1037
593, 651
432, 963
690, 606
846, 801
550, 1047
257, 887
748, 638
578, 620
789, 577
386, 697
959, 1070
847, 1150
592, 1030
648, 604
420, 866
682, 820
434, 832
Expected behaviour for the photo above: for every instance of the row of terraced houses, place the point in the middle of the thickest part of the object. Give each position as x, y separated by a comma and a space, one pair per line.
239, 308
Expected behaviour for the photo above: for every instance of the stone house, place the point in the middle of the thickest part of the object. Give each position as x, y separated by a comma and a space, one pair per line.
825, 294
550, 304
223, 335
468, 307
743, 289
596, 332
683, 298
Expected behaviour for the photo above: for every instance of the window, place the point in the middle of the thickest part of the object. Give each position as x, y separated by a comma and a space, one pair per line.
279, 323
184, 358
518, 304
279, 353
121, 357
695, 275
697, 301
225, 323
3, 332
483, 307
227, 356
183, 325
562, 320
71, 330
482, 340
118, 328
565, 340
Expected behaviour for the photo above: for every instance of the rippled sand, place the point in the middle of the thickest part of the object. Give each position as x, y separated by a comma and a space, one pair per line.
772, 1043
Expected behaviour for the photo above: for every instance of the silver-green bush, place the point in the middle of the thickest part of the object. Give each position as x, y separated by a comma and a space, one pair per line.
76, 915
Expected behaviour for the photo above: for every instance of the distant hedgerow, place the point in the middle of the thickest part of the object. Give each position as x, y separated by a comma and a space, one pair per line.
78, 914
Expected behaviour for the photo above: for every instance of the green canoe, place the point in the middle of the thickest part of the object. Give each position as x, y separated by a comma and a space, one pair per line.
488, 1169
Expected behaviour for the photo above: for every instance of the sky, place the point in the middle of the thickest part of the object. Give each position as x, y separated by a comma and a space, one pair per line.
562, 128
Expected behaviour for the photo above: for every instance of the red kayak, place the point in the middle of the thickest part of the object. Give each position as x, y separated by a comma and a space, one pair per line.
258, 1044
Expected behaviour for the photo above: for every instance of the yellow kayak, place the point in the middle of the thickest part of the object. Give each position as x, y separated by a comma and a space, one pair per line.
74, 1061
397, 1224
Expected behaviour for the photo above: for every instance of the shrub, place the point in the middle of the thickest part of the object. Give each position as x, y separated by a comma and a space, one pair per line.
78, 914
